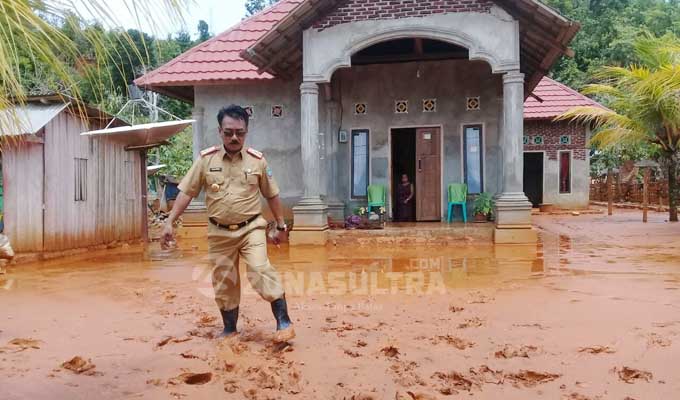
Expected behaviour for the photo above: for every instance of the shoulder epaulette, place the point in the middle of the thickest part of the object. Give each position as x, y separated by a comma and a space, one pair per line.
209, 150
255, 153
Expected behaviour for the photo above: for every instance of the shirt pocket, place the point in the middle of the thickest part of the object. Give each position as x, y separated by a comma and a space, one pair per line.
253, 178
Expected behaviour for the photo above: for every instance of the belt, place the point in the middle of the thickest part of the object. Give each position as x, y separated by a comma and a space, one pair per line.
232, 227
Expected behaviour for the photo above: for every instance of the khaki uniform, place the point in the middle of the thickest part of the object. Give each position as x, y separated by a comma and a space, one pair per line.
232, 189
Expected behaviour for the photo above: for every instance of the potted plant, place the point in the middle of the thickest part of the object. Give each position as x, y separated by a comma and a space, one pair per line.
482, 207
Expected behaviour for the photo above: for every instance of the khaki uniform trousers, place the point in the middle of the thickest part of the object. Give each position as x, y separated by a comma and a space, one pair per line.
226, 248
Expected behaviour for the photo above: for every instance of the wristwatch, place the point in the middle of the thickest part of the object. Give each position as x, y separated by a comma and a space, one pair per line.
281, 228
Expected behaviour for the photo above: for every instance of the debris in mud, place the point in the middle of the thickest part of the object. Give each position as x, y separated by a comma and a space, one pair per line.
529, 378
80, 366
538, 326
484, 374
459, 343
455, 309
172, 339
188, 355
231, 386
191, 378
596, 350
361, 343
473, 322
509, 351
630, 375
154, 382
578, 396
390, 351
206, 320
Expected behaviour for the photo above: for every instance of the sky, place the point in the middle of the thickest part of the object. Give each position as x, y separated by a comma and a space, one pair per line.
219, 14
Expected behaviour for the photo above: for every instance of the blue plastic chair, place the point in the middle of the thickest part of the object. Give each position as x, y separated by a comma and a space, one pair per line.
376, 196
457, 197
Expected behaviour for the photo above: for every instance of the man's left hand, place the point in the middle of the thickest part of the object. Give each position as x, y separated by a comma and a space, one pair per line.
276, 236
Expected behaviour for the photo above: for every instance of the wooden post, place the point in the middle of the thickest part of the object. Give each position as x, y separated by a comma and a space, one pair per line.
144, 217
610, 192
645, 194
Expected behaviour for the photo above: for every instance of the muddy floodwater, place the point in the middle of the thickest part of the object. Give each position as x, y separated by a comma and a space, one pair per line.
592, 312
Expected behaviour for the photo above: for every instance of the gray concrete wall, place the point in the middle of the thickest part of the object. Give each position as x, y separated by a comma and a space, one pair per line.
450, 82
277, 138
580, 184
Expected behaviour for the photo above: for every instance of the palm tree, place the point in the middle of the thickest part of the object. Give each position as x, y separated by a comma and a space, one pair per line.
29, 31
645, 106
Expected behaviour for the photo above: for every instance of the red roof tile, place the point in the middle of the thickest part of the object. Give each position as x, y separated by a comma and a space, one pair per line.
218, 59
556, 99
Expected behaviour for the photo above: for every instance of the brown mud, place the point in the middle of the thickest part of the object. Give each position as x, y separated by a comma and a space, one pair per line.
589, 313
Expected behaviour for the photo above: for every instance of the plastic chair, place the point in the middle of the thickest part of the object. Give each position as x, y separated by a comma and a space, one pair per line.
376, 196
457, 197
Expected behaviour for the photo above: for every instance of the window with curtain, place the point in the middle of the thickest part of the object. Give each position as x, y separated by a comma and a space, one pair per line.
359, 162
565, 172
473, 158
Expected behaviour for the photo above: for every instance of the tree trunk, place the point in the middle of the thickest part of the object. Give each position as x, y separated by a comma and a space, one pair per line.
672, 190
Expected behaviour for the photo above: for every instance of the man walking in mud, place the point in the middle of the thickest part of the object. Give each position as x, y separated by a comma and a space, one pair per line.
233, 179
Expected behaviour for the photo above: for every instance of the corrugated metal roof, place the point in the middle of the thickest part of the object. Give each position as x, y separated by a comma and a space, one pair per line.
556, 99
142, 135
29, 118
218, 59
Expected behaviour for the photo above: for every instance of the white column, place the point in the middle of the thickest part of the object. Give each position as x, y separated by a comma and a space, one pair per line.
309, 141
513, 210
310, 216
197, 204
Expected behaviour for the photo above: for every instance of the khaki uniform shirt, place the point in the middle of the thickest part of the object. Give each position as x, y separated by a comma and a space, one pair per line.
232, 184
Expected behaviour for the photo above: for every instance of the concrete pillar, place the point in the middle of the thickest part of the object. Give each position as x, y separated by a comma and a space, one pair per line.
310, 216
336, 208
196, 213
513, 210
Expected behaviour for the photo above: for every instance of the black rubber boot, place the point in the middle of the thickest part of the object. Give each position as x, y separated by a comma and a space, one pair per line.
230, 318
284, 326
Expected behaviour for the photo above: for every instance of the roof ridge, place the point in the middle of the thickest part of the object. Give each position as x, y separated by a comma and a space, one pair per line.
191, 50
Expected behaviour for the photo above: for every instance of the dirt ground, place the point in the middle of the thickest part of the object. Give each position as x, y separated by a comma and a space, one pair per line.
591, 313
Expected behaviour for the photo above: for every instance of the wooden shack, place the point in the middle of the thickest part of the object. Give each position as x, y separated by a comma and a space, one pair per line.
63, 190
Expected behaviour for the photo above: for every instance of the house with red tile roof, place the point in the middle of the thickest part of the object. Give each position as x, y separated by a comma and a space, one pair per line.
345, 94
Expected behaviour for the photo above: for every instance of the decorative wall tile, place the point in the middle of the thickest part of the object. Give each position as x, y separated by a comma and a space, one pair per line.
538, 140
401, 107
277, 111
527, 139
473, 104
565, 139
429, 105
360, 109
251, 111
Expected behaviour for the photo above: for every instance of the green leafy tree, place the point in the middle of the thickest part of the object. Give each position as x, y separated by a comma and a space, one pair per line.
203, 32
645, 102
255, 6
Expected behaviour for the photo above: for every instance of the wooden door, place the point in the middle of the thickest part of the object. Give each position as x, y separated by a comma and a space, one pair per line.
428, 174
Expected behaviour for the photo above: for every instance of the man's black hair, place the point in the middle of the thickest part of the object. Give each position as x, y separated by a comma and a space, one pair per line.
233, 111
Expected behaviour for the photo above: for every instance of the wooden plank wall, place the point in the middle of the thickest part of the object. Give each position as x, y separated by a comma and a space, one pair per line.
111, 210
22, 168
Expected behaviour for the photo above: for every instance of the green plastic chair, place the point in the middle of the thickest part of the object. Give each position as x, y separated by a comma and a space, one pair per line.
376, 196
457, 197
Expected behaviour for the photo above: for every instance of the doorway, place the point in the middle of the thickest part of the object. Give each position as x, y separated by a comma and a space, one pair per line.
417, 153
403, 162
533, 177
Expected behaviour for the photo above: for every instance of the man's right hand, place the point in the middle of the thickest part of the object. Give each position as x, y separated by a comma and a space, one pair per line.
167, 235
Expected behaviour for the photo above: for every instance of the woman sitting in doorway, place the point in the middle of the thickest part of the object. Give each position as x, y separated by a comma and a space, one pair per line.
405, 193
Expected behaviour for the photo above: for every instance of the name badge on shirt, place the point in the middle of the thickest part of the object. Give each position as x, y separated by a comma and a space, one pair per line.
215, 169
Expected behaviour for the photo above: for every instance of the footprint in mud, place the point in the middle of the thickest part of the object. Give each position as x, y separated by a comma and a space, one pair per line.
20, 344
528, 378
459, 343
191, 378
414, 396
630, 375
510, 351
656, 340
473, 322
596, 350
406, 375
